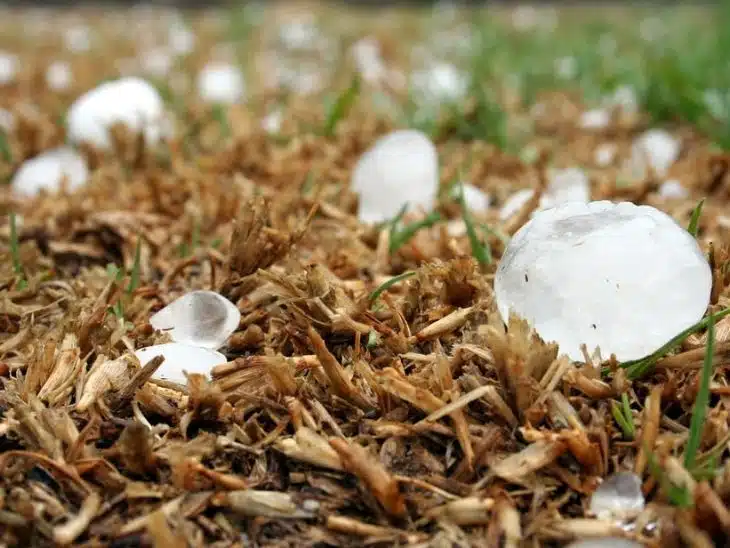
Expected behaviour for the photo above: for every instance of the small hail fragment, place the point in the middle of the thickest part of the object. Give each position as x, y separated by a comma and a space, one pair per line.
59, 76
156, 62
564, 186
220, 82
618, 498
130, 101
198, 318
271, 123
605, 154
48, 171
672, 189
9, 66
655, 149
180, 358
440, 82
594, 119
77, 38
618, 276
400, 169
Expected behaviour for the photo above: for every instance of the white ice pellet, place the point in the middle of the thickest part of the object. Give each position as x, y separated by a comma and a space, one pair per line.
597, 118
440, 82
656, 148
77, 38
474, 197
198, 318
156, 62
9, 65
400, 168
673, 189
180, 358
622, 277
605, 154
271, 123
59, 76
618, 498
514, 203
129, 101
564, 185
48, 170
220, 82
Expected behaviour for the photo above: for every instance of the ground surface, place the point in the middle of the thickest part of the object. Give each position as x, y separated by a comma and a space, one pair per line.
343, 417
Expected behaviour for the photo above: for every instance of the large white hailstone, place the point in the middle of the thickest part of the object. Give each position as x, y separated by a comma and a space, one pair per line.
9, 65
618, 498
180, 358
605, 154
605, 542
59, 76
199, 318
655, 148
564, 185
220, 82
597, 118
400, 168
623, 277
48, 170
673, 190
441, 82
130, 101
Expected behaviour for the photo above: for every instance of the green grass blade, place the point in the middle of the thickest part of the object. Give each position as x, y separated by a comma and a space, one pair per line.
620, 419
694, 220
341, 106
702, 401
481, 251
398, 238
15, 247
134, 276
388, 284
639, 368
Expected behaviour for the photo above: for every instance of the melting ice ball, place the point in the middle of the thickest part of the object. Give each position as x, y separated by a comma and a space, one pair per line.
221, 83
129, 101
623, 277
47, 170
619, 497
199, 318
400, 168
178, 358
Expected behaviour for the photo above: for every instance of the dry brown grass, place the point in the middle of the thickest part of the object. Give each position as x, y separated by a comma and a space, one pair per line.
419, 419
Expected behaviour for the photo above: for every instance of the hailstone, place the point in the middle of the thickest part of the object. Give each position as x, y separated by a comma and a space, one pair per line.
618, 276
400, 169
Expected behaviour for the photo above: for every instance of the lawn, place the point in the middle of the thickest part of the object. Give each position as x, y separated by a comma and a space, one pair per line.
347, 201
